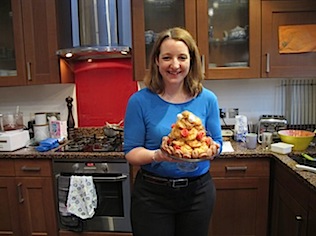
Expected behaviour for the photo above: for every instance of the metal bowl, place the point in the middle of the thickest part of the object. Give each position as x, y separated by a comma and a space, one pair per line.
299, 138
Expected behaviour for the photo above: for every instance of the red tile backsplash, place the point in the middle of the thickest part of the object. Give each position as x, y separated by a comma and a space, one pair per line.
102, 90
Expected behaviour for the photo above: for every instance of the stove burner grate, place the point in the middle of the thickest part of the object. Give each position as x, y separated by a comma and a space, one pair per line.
94, 144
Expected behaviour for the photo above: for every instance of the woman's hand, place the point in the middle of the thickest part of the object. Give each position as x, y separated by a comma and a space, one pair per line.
161, 156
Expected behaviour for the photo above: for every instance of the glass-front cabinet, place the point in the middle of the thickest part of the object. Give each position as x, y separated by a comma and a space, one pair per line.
30, 36
153, 16
229, 37
227, 33
11, 61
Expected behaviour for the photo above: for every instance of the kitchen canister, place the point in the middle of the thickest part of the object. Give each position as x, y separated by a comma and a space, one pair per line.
41, 132
40, 119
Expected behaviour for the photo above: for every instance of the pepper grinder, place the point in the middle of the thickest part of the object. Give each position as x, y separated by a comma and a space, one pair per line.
70, 120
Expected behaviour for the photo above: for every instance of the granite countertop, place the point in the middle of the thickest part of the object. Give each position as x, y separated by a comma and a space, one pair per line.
240, 151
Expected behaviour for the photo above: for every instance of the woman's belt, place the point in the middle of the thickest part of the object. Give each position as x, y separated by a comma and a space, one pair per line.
171, 182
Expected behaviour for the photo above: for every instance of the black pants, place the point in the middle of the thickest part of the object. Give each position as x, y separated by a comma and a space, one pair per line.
159, 210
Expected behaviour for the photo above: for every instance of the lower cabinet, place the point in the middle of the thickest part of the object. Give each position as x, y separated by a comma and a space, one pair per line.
242, 197
293, 206
312, 215
27, 198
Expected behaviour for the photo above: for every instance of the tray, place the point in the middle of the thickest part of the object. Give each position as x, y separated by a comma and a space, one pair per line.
186, 159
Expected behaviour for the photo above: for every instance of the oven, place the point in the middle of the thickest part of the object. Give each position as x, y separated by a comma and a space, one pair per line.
112, 185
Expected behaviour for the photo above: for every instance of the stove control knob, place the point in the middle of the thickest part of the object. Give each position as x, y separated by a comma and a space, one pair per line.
105, 167
75, 167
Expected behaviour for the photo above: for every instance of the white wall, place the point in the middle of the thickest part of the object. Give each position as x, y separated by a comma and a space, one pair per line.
253, 97
40, 98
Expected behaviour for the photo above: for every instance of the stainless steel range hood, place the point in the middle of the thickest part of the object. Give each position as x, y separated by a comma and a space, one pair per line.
94, 52
100, 29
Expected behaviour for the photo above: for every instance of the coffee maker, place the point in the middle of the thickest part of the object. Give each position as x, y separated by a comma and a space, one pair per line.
272, 124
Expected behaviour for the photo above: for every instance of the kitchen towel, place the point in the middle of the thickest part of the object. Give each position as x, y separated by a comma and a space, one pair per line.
82, 197
47, 144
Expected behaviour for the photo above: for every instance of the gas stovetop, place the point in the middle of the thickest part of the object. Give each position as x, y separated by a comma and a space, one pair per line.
94, 144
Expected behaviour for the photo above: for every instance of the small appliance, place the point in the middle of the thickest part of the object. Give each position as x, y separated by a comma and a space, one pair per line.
272, 124
13, 140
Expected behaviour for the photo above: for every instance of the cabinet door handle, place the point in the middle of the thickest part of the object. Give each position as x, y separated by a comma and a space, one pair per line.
203, 63
299, 220
236, 168
28, 71
20, 194
35, 169
268, 63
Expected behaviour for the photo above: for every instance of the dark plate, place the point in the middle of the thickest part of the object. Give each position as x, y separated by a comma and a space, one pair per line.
303, 161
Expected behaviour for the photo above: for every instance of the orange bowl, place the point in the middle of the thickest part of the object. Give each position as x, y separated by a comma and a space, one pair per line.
299, 138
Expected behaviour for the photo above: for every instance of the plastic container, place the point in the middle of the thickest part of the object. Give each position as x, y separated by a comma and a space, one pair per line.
282, 148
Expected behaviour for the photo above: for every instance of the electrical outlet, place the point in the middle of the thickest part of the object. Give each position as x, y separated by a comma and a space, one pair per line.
222, 113
232, 112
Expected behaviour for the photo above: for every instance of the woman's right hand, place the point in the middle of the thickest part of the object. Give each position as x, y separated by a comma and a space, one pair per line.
160, 156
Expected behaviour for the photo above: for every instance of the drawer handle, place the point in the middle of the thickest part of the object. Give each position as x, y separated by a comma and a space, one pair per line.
236, 168
20, 194
35, 169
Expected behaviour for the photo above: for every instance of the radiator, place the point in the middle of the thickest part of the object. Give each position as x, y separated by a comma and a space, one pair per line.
298, 101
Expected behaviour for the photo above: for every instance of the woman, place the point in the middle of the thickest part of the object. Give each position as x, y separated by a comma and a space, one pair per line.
167, 200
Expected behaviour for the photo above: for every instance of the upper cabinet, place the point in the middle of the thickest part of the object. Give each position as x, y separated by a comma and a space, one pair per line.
227, 33
285, 27
236, 38
30, 39
151, 17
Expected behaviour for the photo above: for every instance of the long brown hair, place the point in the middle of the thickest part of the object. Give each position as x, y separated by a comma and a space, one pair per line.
193, 81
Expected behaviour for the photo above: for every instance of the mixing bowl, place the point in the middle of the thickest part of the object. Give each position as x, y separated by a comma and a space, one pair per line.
299, 138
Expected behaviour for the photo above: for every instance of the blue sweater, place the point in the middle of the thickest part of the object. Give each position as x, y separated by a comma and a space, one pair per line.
148, 118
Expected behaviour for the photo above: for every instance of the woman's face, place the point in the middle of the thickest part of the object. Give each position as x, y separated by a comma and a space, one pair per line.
173, 61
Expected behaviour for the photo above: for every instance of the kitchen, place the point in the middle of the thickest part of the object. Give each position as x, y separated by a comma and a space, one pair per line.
252, 96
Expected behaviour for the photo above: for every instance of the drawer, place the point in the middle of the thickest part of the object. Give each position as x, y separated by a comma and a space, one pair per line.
33, 168
7, 168
253, 167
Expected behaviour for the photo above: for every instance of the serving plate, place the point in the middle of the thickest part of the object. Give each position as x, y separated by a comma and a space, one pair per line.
186, 159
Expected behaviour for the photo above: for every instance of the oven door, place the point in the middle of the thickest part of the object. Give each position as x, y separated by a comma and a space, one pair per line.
112, 213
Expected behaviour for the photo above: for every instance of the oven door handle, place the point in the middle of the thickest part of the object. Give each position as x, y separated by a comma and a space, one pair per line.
111, 179
108, 179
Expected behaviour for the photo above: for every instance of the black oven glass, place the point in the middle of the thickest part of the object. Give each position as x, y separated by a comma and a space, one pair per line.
110, 198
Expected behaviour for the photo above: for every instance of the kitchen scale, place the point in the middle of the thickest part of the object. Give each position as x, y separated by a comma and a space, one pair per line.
13, 140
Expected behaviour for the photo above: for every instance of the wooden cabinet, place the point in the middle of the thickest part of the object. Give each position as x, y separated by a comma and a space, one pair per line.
254, 56
27, 198
226, 52
242, 196
194, 15
279, 13
292, 207
312, 215
35, 37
